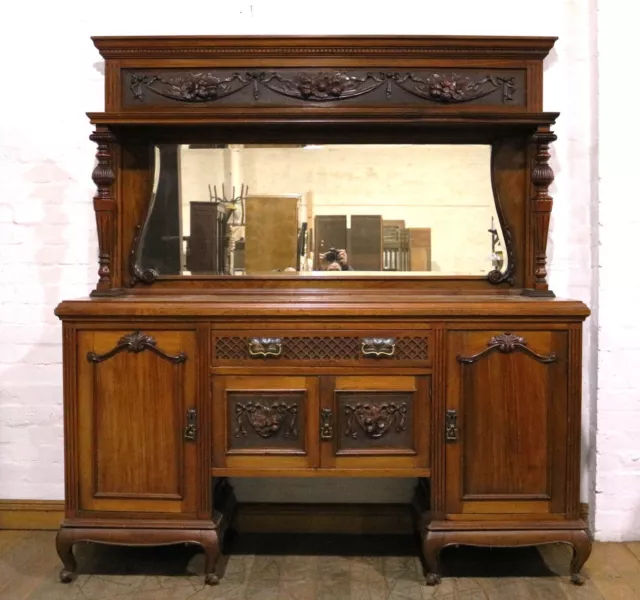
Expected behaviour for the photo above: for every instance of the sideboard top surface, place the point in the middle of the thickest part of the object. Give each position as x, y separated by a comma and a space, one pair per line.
266, 303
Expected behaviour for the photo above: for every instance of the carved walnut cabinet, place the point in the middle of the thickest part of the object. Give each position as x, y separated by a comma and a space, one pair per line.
173, 382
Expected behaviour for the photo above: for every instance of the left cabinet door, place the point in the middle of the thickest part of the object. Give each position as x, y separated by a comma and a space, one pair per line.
136, 424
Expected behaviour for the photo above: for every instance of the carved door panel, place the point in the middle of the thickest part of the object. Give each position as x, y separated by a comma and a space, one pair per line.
505, 428
137, 421
265, 422
375, 422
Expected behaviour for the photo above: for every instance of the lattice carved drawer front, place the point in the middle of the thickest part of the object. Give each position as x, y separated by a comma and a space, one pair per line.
404, 348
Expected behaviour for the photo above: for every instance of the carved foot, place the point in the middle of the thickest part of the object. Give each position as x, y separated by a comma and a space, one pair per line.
64, 546
581, 543
577, 579
66, 576
211, 545
433, 579
432, 544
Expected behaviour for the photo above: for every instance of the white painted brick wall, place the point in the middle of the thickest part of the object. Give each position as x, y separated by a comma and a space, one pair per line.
47, 231
618, 416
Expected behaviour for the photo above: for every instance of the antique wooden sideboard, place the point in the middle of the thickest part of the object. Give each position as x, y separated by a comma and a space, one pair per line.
175, 382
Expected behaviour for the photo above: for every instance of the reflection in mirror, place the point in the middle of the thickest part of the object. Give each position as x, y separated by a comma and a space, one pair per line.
322, 210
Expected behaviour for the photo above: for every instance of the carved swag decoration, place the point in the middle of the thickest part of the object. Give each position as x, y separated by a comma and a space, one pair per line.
506, 344
321, 86
267, 420
136, 342
375, 420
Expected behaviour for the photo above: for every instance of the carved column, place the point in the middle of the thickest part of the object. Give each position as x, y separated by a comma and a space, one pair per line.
542, 177
105, 208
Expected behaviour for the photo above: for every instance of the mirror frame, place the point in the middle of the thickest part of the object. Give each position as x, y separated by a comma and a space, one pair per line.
263, 90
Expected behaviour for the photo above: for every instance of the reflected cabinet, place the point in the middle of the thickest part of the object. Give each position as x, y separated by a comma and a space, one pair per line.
323, 257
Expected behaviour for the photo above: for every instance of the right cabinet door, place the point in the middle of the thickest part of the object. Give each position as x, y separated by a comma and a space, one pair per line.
505, 424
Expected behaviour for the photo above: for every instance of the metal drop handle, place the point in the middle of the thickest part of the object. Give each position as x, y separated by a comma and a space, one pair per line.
191, 429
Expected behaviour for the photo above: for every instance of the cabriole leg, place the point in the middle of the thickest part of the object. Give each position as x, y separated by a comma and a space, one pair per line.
64, 546
581, 543
432, 544
211, 546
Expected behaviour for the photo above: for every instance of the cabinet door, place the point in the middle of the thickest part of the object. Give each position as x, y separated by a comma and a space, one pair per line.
375, 422
506, 422
265, 422
137, 439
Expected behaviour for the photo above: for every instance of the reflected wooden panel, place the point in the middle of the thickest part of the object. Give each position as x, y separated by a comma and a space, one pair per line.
419, 249
365, 249
271, 234
330, 231
205, 246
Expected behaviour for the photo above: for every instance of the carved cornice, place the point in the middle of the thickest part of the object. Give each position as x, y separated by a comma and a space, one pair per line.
444, 87
506, 344
525, 48
136, 342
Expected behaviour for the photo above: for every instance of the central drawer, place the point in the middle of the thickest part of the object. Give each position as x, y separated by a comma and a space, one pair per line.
321, 347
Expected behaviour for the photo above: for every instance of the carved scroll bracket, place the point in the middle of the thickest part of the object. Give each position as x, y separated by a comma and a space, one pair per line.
506, 344
138, 274
542, 178
136, 342
105, 207
496, 276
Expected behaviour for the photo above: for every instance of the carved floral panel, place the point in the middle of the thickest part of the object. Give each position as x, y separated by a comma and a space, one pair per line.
263, 420
290, 87
375, 420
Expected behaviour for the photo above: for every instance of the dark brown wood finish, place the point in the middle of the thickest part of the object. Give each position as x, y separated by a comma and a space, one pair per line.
471, 384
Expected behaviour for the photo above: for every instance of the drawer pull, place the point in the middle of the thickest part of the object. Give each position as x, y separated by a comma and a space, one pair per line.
326, 424
191, 428
265, 347
378, 347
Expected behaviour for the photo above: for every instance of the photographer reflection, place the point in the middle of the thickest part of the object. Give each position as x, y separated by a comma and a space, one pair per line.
336, 260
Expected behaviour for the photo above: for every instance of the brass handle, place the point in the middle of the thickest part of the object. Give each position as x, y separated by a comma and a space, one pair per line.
326, 424
378, 347
451, 427
265, 347
191, 428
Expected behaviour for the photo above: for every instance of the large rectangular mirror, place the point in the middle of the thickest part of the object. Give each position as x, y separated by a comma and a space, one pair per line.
333, 210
